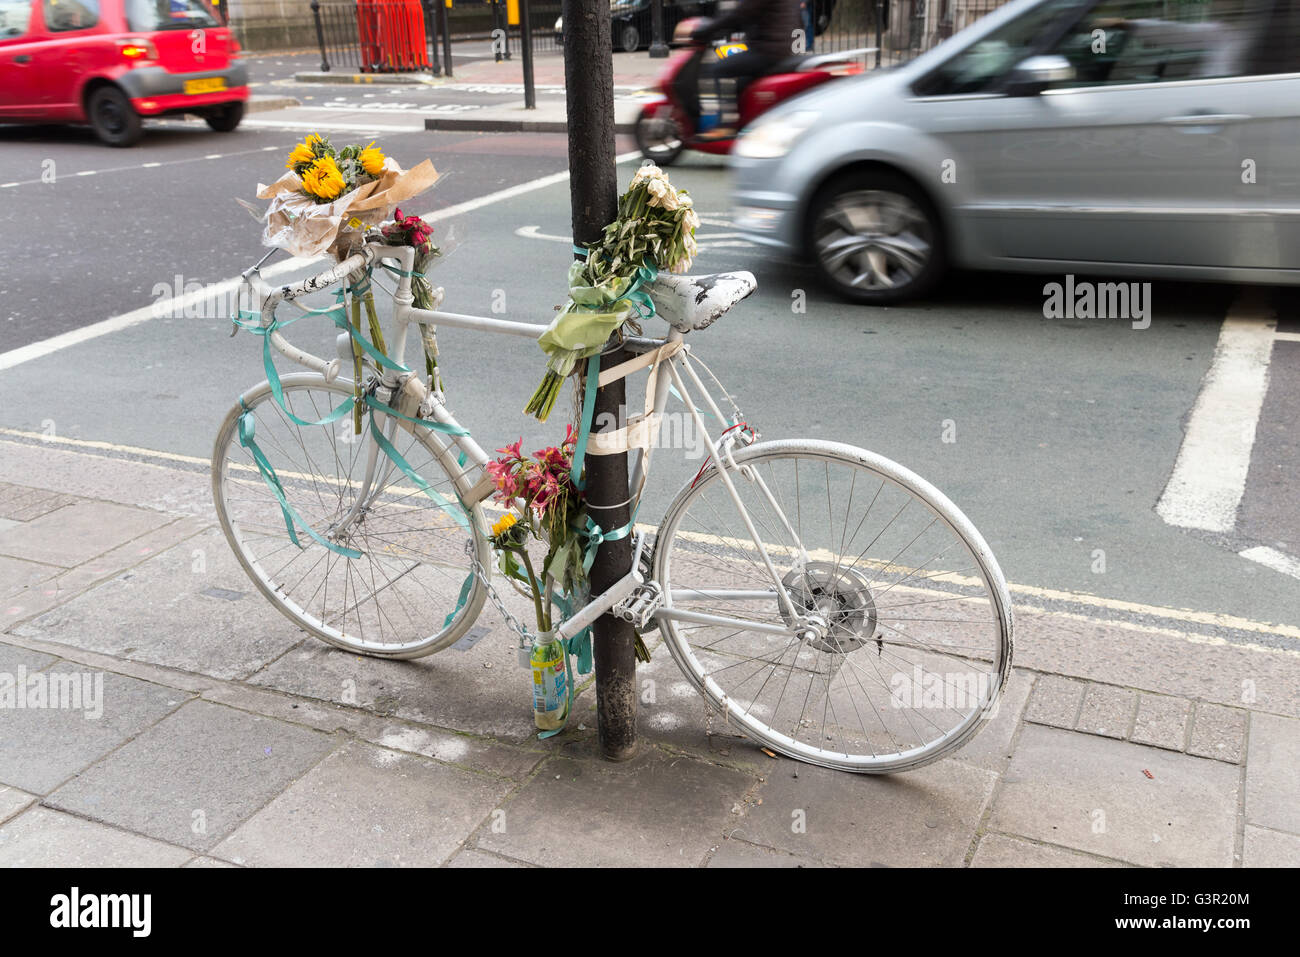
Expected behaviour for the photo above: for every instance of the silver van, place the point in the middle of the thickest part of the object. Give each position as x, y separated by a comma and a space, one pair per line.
1158, 138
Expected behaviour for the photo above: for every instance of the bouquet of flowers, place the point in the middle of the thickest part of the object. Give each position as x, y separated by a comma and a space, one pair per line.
544, 504
547, 506
414, 231
330, 196
655, 228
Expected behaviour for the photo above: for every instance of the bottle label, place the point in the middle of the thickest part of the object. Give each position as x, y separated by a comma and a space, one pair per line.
549, 680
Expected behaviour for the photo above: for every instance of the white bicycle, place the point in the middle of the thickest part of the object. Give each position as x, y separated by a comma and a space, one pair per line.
831, 604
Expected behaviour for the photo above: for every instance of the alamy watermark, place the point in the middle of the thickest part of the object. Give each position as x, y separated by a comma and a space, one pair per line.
43, 690
1098, 300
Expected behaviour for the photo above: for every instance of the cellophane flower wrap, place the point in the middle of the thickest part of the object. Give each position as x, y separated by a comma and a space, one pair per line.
655, 227
329, 197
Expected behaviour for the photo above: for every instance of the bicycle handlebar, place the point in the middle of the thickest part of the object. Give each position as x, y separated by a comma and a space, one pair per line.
271, 298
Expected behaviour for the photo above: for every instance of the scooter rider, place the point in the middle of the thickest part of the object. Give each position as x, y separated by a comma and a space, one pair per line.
770, 28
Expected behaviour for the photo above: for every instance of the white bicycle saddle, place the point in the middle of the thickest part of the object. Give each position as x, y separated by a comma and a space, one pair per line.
695, 302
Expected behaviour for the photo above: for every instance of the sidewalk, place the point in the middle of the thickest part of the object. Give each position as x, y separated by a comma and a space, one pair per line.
229, 737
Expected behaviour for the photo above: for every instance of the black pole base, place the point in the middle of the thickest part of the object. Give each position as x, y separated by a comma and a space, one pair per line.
659, 50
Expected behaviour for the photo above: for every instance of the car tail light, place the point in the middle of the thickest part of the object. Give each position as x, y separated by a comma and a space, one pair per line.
137, 51
844, 69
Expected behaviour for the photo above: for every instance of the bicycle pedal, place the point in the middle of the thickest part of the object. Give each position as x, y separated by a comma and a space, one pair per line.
639, 607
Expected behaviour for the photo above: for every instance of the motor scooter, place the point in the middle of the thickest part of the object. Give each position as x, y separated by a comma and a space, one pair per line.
670, 122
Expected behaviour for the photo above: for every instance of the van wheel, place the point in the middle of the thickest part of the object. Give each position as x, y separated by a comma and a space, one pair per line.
113, 118
226, 117
630, 39
876, 238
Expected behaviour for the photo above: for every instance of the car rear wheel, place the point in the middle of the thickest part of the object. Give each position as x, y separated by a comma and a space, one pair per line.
226, 117
113, 118
876, 238
629, 39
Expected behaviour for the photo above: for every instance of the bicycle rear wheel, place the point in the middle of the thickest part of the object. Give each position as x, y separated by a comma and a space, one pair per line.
898, 639
412, 591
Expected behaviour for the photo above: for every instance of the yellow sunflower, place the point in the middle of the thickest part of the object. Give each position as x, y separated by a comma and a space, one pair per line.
503, 524
372, 159
302, 153
323, 180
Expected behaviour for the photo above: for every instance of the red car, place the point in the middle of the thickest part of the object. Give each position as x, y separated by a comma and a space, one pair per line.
110, 63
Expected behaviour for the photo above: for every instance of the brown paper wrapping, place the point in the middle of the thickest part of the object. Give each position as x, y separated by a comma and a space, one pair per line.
298, 224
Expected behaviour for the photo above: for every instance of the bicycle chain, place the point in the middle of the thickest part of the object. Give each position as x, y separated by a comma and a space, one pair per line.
526, 637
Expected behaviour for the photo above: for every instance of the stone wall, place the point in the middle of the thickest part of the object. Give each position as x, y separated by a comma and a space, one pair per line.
272, 24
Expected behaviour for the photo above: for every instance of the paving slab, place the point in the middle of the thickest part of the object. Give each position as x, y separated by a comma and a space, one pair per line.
737, 853
45, 838
1266, 848
1107, 711
479, 859
365, 806
12, 801
174, 488
1218, 732
16, 575
925, 817
469, 751
1273, 773
42, 747
657, 810
991, 748
1002, 850
209, 862
670, 712
1162, 721
1055, 701
190, 607
66, 585
482, 691
1188, 666
1090, 793
12, 657
196, 776
22, 503
77, 533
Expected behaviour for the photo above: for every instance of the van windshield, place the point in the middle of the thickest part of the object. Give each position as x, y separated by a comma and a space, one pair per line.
148, 15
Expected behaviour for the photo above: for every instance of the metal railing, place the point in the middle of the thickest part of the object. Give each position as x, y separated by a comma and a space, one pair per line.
381, 36
384, 35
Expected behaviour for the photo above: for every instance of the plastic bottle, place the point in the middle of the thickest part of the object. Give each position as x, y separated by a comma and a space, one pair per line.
550, 689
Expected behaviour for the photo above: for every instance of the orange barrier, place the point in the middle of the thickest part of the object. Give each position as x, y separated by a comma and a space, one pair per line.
392, 36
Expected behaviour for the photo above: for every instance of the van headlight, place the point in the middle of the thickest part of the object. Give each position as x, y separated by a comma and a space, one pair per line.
776, 136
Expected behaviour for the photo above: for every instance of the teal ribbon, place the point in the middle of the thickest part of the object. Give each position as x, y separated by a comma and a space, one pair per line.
251, 321
247, 432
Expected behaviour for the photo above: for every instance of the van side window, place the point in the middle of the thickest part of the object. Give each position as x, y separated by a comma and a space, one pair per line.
1151, 41
15, 18
978, 67
1280, 50
61, 15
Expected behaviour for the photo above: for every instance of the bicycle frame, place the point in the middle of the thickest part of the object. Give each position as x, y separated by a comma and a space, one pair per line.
675, 370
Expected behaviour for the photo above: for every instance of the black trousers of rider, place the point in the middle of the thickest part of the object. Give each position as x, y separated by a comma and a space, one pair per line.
742, 68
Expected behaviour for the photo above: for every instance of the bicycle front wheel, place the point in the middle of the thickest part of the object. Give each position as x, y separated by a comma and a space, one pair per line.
412, 590
896, 640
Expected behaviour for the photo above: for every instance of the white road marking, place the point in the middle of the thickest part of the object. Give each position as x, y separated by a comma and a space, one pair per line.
1272, 558
342, 127
1287, 336
1209, 474
170, 306
152, 165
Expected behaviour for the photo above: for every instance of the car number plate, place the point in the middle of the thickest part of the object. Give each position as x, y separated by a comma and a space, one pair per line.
208, 85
